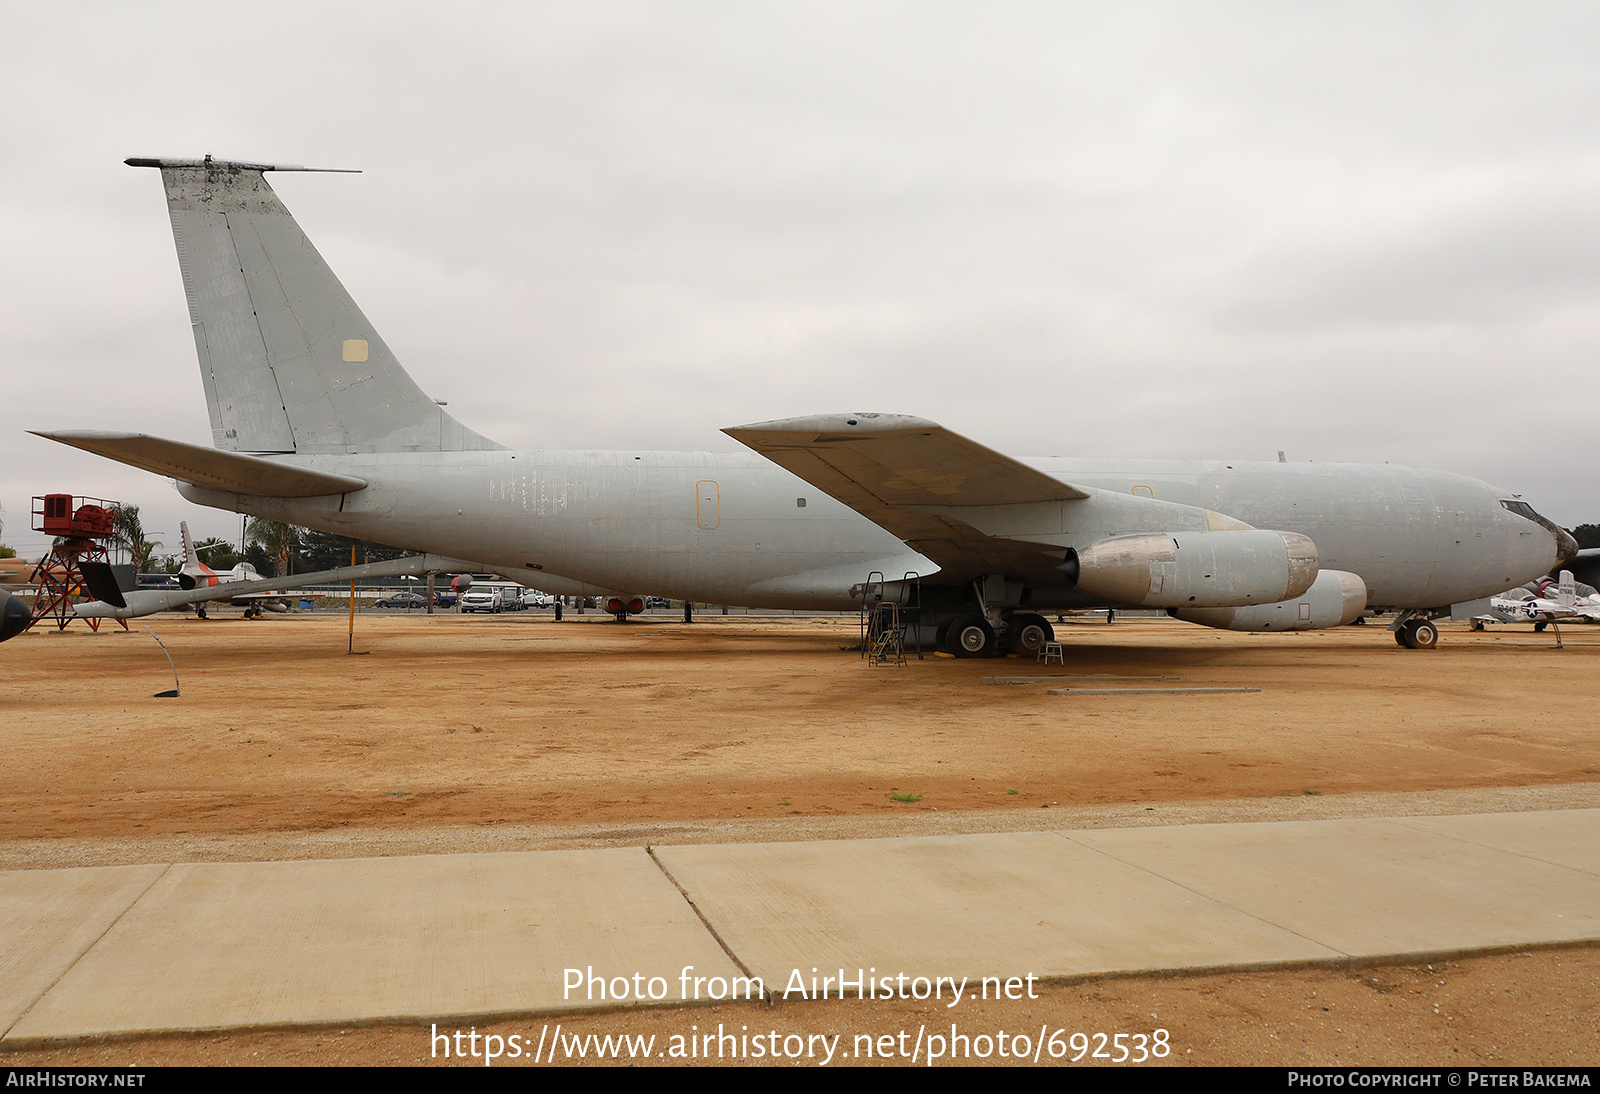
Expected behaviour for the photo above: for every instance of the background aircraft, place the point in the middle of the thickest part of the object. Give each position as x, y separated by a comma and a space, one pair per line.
1585, 566
314, 421
114, 602
1544, 603
196, 575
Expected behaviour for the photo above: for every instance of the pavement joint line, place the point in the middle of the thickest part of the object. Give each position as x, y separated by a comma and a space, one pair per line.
1211, 899
166, 868
695, 908
1401, 821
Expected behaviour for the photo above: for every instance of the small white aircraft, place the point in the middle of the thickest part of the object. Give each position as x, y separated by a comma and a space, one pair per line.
197, 575
1544, 604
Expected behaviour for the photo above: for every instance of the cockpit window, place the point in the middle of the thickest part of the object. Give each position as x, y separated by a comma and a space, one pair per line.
1522, 509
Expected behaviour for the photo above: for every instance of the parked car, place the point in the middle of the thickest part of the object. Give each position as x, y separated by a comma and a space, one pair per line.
656, 602
403, 600
482, 600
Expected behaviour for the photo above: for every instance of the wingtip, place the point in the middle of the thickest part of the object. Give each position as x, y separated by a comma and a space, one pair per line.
71, 436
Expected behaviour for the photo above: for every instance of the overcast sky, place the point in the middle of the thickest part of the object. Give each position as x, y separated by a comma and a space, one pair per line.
1359, 232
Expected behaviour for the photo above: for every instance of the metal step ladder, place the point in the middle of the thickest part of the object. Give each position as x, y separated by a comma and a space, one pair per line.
884, 623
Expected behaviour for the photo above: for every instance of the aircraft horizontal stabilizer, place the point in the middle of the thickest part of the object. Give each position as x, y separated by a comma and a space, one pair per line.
232, 472
101, 581
241, 165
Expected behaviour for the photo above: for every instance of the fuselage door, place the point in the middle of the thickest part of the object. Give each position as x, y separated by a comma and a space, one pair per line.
708, 505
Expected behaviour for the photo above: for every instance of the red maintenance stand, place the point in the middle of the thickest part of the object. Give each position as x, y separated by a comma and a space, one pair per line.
82, 527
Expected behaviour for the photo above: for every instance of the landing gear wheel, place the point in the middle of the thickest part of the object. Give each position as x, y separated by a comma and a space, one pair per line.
201, 612
971, 636
1477, 624
1538, 628
1028, 634
941, 636
1418, 634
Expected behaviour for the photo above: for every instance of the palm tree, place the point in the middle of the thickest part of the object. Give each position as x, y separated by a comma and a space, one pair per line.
130, 536
219, 554
278, 539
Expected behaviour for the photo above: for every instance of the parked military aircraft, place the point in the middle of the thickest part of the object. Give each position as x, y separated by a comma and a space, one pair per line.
114, 602
197, 575
314, 422
1544, 603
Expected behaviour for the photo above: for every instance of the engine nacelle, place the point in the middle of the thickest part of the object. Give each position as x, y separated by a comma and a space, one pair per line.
14, 615
1334, 599
1225, 569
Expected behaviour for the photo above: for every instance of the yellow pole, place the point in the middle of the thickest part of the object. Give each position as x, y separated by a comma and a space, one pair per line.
352, 646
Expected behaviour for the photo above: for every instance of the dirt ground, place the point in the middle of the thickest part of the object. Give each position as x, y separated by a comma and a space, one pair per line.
500, 733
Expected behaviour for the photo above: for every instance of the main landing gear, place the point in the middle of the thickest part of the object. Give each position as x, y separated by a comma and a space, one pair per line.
1028, 634
967, 636
1417, 634
972, 636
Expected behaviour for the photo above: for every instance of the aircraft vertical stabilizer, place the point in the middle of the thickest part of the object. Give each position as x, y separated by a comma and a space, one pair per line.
289, 362
189, 554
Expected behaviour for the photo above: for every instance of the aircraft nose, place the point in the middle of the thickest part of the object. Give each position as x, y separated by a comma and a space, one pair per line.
14, 616
1566, 546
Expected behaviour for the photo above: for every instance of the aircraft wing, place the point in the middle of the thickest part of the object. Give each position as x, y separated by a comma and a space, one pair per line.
890, 468
232, 472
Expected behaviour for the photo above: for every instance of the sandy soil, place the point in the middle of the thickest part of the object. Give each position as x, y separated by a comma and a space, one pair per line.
451, 733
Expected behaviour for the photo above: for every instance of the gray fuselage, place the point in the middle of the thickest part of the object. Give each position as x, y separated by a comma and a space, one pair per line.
736, 529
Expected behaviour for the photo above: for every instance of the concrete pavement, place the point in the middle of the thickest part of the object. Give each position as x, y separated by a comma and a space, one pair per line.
119, 951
